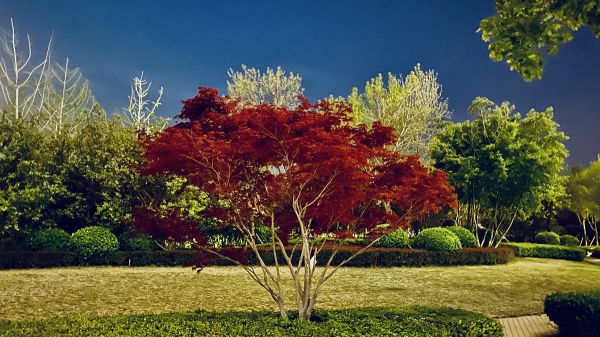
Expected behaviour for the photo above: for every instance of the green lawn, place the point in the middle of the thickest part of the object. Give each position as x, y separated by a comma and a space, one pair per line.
513, 289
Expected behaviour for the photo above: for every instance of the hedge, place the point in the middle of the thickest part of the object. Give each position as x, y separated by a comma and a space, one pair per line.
596, 252
575, 313
366, 322
569, 240
94, 244
525, 249
404, 257
382, 257
54, 239
467, 238
395, 239
133, 241
548, 238
437, 239
36, 259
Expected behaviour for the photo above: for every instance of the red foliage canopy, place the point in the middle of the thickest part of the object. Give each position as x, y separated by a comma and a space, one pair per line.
302, 165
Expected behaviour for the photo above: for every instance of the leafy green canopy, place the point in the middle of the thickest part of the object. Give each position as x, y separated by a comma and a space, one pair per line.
71, 180
523, 32
583, 188
501, 163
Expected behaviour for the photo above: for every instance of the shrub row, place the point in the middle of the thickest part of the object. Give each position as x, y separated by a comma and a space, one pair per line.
524, 249
596, 252
36, 259
402, 257
46, 259
366, 322
382, 257
577, 314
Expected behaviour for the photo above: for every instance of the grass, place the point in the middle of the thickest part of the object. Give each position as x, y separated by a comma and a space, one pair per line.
517, 288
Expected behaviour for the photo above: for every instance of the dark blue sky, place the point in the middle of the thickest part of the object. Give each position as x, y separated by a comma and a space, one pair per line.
334, 45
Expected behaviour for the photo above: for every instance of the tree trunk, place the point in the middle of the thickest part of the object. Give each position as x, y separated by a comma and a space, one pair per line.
585, 237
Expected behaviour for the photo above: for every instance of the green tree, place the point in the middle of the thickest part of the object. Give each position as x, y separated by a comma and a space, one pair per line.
96, 167
502, 165
584, 199
413, 106
524, 32
26, 188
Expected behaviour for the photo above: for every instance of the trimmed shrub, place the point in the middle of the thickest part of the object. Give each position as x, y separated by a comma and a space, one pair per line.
576, 313
596, 252
396, 257
50, 239
525, 249
569, 240
467, 238
366, 322
395, 239
94, 244
547, 238
437, 239
36, 259
131, 241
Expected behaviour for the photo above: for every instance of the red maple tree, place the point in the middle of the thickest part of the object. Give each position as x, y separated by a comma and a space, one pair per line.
304, 171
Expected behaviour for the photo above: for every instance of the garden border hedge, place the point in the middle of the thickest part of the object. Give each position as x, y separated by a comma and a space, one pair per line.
526, 249
596, 252
373, 257
366, 322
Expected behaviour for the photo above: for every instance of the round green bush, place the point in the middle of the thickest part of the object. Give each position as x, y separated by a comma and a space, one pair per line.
396, 239
94, 243
575, 313
569, 240
437, 239
131, 241
467, 239
53, 239
548, 238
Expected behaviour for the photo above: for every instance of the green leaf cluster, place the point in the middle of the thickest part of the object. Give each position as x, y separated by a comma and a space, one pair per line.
524, 32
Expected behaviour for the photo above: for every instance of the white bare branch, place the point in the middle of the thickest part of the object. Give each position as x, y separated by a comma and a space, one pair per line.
20, 76
141, 111
67, 99
252, 87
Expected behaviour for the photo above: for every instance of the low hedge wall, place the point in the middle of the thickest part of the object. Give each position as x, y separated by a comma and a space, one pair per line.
576, 313
524, 249
596, 252
366, 322
36, 259
382, 257
403, 257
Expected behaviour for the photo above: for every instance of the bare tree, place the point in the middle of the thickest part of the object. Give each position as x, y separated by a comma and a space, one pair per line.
21, 79
413, 105
251, 86
141, 111
67, 98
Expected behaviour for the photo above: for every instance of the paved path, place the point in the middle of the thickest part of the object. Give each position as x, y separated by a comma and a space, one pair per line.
593, 260
528, 326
